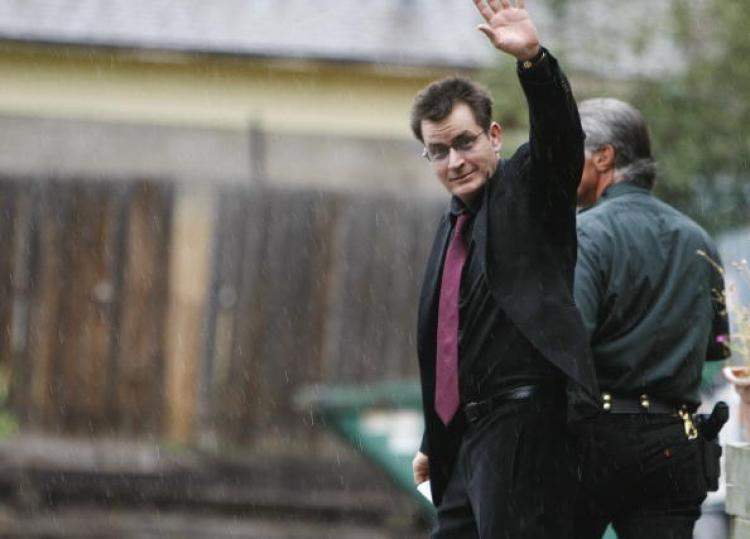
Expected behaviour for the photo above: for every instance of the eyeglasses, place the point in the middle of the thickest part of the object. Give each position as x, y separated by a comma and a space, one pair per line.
461, 144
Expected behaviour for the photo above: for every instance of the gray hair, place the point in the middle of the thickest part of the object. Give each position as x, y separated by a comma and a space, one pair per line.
611, 121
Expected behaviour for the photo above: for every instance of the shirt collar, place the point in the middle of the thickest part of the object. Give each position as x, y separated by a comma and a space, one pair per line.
622, 188
458, 206
616, 190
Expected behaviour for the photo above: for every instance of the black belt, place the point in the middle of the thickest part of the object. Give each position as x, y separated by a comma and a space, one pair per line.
476, 410
642, 405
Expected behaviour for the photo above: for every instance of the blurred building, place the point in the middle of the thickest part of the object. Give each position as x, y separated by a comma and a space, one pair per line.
199, 97
174, 108
206, 206
149, 255
300, 92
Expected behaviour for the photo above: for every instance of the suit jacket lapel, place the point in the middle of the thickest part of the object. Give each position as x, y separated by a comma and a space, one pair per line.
494, 191
431, 285
479, 233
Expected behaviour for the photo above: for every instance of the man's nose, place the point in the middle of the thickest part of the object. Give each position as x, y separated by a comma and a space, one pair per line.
455, 158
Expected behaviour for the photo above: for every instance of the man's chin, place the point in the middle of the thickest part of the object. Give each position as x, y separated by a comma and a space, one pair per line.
467, 191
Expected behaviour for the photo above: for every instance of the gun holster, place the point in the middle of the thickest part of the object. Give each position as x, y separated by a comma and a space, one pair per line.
708, 429
711, 450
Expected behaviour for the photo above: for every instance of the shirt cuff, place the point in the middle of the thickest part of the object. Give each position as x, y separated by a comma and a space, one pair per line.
540, 69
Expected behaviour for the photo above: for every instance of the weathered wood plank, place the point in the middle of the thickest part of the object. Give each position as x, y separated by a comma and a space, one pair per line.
84, 323
38, 397
348, 344
280, 309
141, 323
189, 279
8, 211
139, 368
218, 389
242, 401
373, 313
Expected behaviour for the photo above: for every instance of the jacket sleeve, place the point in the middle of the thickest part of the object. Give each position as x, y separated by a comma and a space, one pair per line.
555, 133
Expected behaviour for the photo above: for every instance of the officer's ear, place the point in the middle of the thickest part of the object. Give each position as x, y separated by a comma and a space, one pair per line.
604, 159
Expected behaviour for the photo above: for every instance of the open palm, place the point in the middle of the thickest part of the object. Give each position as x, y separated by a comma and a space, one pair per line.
509, 28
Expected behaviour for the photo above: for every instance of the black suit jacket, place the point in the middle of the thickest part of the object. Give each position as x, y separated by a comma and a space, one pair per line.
525, 234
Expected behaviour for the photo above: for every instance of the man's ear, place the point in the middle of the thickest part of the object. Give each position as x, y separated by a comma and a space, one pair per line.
604, 158
496, 136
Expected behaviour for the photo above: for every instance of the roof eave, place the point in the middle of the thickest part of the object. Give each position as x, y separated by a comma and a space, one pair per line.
181, 50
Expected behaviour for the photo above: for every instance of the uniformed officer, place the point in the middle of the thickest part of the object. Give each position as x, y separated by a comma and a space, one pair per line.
648, 288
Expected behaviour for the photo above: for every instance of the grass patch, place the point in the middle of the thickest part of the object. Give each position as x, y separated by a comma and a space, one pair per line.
8, 422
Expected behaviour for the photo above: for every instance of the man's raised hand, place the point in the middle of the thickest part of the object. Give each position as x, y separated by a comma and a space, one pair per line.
510, 29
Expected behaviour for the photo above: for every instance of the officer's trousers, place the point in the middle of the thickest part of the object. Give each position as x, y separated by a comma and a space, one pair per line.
642, 474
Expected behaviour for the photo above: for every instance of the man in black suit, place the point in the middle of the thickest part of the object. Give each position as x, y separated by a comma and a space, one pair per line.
502, 350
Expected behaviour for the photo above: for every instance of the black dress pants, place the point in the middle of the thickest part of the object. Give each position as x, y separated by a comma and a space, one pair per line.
515, 476
643, 475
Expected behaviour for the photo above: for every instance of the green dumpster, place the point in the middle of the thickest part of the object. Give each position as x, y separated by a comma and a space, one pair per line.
383, 421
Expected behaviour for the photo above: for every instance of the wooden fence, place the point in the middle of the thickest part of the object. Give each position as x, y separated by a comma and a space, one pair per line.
142, 308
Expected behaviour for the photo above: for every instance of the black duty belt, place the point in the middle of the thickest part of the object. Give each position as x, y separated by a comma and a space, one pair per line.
641, 405
647, 405
476, 410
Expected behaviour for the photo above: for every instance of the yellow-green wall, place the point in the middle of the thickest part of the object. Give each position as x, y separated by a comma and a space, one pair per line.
208, 91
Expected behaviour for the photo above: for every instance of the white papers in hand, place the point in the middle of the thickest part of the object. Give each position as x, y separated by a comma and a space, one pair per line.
424, 490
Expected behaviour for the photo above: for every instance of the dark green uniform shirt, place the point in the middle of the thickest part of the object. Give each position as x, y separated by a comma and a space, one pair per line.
649, 299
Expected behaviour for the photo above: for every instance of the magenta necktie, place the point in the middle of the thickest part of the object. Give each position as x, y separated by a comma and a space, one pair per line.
446, 372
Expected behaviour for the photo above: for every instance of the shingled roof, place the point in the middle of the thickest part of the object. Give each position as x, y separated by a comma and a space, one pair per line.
595, 35
407, 32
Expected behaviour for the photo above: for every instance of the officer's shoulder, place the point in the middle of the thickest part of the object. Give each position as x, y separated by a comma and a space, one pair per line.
594, 218
683, 221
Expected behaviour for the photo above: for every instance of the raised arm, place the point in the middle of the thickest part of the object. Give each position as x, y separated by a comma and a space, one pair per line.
555, 137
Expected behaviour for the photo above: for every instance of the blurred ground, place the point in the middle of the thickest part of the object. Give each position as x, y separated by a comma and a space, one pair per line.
71, 489
122, 524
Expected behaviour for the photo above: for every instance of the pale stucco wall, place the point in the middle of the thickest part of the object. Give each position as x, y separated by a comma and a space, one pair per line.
208, 91
112, 113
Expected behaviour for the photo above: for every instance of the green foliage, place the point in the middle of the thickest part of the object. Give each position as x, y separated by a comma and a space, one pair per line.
699, 118
509, 102
8, 423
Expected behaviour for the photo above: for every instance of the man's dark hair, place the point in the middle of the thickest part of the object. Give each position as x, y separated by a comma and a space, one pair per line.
436, 101
611, 121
